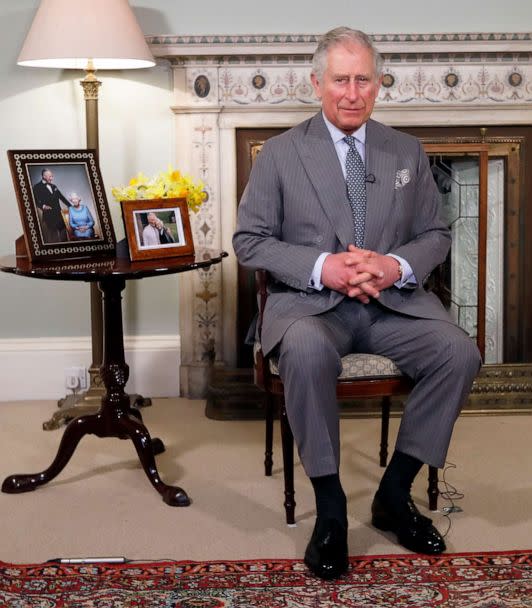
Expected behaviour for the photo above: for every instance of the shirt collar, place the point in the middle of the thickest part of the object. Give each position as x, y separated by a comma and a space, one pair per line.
337, 135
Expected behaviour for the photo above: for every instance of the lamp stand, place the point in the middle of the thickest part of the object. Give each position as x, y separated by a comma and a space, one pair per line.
96, 389
89, 402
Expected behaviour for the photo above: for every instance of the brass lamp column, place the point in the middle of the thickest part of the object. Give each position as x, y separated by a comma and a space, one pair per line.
96, 389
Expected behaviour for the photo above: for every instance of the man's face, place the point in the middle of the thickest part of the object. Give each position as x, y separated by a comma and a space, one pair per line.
152, 219
349, 86
48, 177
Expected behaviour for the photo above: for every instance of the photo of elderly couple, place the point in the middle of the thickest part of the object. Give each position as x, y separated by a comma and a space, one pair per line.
64, 202
157, 228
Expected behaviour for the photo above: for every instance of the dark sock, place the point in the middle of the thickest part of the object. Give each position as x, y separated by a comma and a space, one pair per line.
331, 502
396, 482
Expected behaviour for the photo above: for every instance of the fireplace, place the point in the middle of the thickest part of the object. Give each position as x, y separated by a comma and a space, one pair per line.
226, 84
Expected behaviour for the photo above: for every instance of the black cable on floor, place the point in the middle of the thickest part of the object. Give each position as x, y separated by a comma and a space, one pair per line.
451, 494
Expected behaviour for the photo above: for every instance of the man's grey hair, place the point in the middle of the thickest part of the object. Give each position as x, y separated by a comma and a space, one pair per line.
343, 35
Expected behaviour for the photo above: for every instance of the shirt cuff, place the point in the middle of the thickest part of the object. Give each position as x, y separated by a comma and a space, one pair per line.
408, 278
315, 277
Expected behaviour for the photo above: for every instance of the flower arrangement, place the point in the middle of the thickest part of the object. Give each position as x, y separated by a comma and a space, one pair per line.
166, 184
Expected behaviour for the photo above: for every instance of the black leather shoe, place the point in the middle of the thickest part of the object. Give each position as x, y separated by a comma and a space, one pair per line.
326, 554
414, 531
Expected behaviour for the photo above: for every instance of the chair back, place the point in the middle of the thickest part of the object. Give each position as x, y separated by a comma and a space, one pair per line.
66, 219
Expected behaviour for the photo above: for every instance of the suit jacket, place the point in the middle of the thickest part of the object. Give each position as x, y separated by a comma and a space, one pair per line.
43, 196
295, 207
166, 236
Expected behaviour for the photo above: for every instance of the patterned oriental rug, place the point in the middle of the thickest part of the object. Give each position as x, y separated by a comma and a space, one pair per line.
465, 580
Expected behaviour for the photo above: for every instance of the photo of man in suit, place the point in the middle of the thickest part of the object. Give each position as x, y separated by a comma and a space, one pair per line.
48, 199
343, 212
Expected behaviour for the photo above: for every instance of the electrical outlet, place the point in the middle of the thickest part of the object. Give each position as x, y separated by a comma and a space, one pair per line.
76, 378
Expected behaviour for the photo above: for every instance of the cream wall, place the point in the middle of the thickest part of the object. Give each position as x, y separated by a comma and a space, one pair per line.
302, 16
44, 109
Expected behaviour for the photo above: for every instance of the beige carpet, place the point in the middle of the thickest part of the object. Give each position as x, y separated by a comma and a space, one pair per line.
103, 505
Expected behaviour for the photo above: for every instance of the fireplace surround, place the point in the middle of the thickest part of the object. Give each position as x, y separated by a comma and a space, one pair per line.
226, 83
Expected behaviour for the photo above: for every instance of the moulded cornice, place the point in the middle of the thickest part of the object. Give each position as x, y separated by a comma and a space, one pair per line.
169, 46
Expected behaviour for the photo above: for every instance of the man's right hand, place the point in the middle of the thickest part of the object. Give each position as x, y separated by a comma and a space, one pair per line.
339, 273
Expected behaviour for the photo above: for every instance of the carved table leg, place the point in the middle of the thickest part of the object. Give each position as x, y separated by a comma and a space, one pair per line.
123, 421
75, 430
156, 444
137, 432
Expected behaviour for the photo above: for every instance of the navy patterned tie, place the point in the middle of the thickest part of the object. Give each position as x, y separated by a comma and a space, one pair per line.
355, 177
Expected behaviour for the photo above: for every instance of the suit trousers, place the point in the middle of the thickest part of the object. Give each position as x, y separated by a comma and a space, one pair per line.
440, 357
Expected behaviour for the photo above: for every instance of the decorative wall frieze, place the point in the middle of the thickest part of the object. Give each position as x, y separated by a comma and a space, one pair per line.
487, 84
431, 85
487, 70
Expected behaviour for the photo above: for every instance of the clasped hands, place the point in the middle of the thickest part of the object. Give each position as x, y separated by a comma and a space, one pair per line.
359, 273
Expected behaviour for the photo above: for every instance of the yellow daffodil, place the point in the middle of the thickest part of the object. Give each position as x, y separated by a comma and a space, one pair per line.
167, 184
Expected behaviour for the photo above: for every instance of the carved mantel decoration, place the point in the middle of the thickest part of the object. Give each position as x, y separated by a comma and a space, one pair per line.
423, 70
226, 83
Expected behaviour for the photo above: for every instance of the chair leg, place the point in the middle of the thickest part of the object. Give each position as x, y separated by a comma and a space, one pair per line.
268, 453
288, 466
433, 491
385, 425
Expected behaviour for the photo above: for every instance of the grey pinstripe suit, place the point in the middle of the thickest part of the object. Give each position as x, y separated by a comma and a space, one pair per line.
294, 208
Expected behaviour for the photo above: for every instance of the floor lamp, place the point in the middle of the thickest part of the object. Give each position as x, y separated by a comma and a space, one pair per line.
86, 35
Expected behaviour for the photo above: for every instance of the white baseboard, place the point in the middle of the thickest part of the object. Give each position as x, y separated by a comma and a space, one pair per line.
35, 368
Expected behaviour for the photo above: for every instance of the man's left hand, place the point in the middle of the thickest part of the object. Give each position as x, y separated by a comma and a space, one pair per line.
383, 268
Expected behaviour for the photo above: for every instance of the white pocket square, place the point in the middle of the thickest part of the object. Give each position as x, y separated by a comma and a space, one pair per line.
402, 177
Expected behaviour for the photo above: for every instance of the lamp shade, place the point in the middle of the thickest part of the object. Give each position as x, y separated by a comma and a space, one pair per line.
69, 33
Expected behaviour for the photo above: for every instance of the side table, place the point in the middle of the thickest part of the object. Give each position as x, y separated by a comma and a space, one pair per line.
116, 417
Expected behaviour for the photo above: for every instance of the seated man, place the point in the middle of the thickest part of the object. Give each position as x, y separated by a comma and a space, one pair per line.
343, 213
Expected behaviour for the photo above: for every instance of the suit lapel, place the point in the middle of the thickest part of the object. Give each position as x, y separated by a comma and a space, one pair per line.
321, 163
381, 162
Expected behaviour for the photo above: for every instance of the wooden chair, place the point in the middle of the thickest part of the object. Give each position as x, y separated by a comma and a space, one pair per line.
66, 218
363, 375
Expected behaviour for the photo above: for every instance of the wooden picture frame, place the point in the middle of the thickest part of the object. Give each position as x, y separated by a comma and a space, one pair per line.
157, 228
62, 204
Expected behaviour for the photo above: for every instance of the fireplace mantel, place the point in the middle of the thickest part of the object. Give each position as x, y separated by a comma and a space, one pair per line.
223, 83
